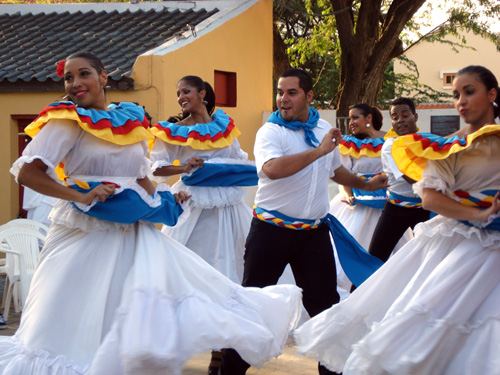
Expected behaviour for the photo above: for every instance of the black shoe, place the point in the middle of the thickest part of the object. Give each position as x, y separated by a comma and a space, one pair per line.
322, 370
3, 323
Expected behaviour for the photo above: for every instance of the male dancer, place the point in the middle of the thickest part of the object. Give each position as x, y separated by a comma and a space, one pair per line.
294, 168
403, 209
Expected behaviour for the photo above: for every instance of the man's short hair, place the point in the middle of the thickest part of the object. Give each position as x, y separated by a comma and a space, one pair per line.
305, 80
404, 101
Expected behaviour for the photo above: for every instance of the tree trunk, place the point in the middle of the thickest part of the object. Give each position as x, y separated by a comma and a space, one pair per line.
367, 47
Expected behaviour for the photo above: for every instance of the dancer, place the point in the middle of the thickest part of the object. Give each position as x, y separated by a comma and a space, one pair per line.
113, 295
433, 307
403, 209
356, 209
217, 220
294, 169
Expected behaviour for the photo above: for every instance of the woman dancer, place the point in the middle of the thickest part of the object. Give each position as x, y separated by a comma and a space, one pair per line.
434, 304
217, 220
112, 295
359, 210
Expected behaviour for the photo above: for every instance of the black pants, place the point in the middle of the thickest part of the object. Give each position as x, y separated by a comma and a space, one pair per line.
268, 250
392, 224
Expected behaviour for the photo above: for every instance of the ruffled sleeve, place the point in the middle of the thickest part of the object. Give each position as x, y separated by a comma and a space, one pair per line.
51, 145
438, 175
235, 151
162, 154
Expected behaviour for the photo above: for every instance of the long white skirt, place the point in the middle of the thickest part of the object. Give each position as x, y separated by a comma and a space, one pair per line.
360, 221
126, 299
215, 226
433, 308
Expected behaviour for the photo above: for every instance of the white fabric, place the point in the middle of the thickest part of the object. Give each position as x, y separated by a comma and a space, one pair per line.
360, 221
112, 298
303, 195
397, 183
84, 154
216, 220
433, 307
37, 205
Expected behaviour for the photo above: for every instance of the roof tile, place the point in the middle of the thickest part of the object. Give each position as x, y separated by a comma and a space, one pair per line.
31, 44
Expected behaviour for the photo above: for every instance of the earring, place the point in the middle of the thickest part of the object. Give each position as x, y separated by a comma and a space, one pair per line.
495, 104
205, 102
367, 125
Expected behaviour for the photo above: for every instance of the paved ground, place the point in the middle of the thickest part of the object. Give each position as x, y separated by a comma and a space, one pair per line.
289, 363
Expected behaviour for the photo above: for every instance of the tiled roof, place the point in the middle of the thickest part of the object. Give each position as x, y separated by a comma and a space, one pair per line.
31, 44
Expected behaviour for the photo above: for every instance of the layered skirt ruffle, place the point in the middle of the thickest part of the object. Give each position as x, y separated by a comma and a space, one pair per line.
127, 299
431, 309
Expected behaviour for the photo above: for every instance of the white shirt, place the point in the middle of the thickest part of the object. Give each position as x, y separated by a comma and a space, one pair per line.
303, 195
397, 183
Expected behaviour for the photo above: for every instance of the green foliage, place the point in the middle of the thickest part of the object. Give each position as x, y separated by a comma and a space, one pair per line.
309, 31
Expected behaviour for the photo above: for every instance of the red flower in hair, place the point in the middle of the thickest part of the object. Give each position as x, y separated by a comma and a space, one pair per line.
60, 68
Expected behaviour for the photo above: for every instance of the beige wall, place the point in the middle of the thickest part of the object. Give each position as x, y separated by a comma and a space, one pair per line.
242, 45
433, 59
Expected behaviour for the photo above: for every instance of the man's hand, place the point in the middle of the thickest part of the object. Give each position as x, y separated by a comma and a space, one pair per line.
330, 141
377, 182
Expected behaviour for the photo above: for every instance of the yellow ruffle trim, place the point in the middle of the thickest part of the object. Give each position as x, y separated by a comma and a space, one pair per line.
196, 144
136, 135
411, 157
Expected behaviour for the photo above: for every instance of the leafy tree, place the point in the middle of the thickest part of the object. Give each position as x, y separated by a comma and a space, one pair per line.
350, 45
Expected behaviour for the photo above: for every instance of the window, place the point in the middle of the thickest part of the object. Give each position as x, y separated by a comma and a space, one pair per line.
444, 125
448, 79
225, 88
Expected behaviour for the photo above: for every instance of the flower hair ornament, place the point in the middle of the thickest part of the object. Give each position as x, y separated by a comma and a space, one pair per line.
60, 68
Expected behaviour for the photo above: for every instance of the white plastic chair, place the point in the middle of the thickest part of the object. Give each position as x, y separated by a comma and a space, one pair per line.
21, 242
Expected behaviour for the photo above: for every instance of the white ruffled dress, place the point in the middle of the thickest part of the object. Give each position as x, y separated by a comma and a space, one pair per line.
433, 308
359, 220
111, 298
216, 220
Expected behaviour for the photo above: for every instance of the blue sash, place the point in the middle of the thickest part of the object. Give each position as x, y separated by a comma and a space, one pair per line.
127, 207
373, 199
356, 262
214, 174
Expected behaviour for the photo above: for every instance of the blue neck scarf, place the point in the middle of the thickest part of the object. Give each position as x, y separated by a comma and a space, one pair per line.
312, 122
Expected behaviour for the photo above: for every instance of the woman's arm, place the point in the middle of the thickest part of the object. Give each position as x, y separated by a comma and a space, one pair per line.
172, 170
433, 200
34, 176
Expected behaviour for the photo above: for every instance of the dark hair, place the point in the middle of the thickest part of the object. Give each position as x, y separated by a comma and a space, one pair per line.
305, 80
199, 84
488, 79
93, 60
404, 101
369, 110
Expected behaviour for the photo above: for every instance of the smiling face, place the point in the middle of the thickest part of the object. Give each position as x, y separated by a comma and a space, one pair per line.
83, 84
404, 121
473, 100
291, 100
358, 121
189, 97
